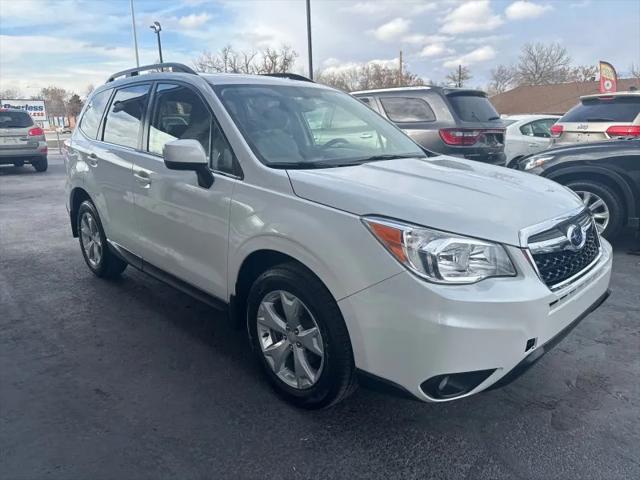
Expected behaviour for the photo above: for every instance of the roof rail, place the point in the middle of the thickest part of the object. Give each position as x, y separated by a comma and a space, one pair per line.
132, 72
290, 76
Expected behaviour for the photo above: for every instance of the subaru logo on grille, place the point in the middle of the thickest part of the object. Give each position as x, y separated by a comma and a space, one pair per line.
576, 237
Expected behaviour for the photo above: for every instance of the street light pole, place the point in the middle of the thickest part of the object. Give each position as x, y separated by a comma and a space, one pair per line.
309, 39
135, 37
157, 29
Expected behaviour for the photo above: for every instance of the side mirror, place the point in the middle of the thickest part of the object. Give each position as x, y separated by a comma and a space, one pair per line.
188, 155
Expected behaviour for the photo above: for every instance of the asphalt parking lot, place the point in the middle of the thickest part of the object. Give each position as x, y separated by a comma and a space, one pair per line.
134, 379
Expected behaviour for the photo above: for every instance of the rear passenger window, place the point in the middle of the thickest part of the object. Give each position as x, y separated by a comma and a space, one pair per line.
124, 119
407, 110
179, 113
93, 113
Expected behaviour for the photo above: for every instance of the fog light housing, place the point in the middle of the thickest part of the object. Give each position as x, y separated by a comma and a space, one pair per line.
452, 385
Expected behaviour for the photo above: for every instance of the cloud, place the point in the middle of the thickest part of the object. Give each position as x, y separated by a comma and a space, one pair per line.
474, 16
417, 39
522, 9
333, 65
478, 55
194, 20
379, 7
392, 29
435, 50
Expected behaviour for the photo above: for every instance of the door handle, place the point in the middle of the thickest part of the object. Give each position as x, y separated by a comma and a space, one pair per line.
366, 135
533, 144
143, 178
92, 159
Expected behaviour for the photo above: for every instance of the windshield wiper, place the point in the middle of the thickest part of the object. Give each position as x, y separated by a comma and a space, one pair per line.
598, 119
336, 163
302, 165
492, 118
381, 157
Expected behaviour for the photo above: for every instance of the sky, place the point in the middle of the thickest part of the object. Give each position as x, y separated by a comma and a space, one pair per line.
75, 43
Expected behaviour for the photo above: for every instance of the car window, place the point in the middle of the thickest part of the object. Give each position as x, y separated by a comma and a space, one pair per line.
537, 128
407, 110
90, 120
617, 109
124, 118
472, 107
15, 119
179, 113
299, 126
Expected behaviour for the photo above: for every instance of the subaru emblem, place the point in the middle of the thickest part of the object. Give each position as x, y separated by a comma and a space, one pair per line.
576, 237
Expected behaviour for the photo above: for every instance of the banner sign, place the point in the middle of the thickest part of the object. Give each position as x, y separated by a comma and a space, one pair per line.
35, 108
608, 78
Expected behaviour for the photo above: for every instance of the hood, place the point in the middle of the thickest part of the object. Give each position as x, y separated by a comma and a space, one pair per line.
446, 193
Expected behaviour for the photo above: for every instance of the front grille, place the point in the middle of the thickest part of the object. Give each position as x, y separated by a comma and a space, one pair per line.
556, 267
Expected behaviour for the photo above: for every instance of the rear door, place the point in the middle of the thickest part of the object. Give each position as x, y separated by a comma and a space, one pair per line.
110, 162
538, 135
598, 119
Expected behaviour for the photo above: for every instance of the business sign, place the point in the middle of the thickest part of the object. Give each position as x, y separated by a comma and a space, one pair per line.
35, 108
608, 78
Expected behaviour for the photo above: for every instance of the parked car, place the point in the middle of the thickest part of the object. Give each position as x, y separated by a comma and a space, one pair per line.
526, 135
439, 276
606, 176
21, 141
451, 121
599, 117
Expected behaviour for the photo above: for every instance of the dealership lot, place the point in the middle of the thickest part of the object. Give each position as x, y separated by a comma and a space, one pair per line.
133, 379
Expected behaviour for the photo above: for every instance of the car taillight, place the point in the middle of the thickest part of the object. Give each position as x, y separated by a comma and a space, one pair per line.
461, 136
556, 130
624, 131
35, 132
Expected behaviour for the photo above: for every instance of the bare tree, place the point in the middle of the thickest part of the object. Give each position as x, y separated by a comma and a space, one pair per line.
583, 73
635, 71
541, 64
367, 76
228, 60
502, 79
460, 76
10, 93
55, 98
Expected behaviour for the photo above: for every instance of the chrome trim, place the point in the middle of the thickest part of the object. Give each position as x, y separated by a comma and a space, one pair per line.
562, 242
579, 279
527, 232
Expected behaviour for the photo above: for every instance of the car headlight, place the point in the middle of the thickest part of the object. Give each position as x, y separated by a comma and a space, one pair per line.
536, 161
441, 257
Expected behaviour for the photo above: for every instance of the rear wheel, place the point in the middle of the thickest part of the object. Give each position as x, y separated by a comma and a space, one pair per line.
93, 242
604, 204
40, 164
300, 338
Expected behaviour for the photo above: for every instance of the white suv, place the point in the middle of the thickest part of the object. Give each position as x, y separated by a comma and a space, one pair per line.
343, 248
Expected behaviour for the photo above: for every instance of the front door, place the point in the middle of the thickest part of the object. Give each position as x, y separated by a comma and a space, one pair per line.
183, 228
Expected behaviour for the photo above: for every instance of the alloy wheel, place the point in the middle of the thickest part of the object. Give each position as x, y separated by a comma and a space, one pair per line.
597, 207
91, 241
290, 339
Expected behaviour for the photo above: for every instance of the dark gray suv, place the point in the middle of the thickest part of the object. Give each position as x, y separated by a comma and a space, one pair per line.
452, 121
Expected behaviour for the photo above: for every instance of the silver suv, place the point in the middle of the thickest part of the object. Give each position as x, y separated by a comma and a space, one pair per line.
21, 141
342, 257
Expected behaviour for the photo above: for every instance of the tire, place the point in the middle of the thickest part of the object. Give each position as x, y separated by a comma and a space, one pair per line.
335, 372
40, 164
612, 202
106, 264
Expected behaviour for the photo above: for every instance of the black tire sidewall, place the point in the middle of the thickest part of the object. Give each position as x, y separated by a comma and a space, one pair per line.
326, 313
40, 164
87, 206
610, 198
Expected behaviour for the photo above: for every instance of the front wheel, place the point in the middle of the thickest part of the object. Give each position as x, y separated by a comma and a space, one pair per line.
300, 337
93, 242
604, 204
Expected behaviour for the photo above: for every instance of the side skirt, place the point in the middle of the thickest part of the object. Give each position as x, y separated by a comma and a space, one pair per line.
165, 277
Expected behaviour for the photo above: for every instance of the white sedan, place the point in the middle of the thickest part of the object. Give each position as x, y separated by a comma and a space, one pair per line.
527, 134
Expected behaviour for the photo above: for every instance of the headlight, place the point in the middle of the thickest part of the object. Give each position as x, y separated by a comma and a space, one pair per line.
441, 257
536, 161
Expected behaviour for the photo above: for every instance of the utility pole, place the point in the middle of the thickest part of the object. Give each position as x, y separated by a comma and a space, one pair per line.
459, 76
135, 37
400, 70
310, 53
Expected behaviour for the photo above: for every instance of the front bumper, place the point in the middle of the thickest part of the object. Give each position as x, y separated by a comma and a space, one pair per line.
407, 331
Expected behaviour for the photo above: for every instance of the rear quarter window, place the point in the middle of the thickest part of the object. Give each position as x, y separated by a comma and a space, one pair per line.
15, 120
407, 110
618, 109
90, 120
472, 108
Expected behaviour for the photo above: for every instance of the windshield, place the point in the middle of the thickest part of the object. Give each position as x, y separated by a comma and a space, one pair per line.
618, 109
308, 127
472, 108
15, 120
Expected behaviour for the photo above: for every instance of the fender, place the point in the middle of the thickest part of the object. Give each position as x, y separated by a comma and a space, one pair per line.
556, 172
